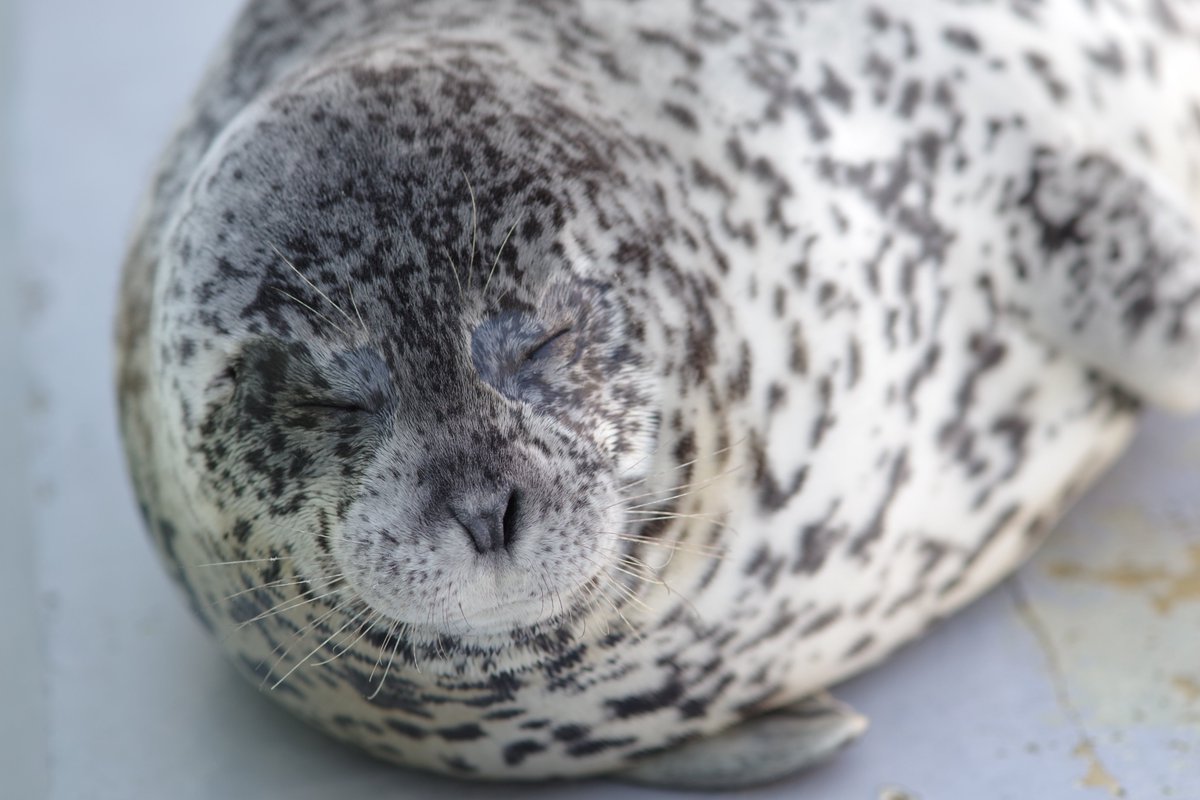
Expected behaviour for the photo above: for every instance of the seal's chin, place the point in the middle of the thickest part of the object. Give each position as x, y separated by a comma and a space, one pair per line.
517, 615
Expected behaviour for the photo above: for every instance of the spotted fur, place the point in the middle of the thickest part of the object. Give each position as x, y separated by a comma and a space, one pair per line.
832, 306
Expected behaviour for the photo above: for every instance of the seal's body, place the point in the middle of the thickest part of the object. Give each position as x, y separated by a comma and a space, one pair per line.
536, 389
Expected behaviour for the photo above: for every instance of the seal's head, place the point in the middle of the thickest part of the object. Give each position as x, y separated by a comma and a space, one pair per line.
391, 359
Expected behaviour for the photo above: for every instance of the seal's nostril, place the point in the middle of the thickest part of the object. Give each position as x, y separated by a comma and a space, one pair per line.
491, 524
510, 517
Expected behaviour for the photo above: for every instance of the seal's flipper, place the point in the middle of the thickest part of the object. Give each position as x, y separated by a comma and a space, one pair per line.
758, 751
1106, 266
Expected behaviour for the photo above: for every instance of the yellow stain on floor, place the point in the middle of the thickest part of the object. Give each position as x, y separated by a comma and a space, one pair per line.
1167, 588
1187, 686
1097, 776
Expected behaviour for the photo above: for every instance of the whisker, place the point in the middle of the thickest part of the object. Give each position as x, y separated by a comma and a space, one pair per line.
265, 560
639, 576
707, 519
686, 464
282, 649
454, 267
474, 229
285, 582
462, 612
328, 321
313, 286
496, 260
616, 609
386, 670
691, 487
357, 313
315, 650
245, 561
287, 605
379, 658
629, 594
651, 514
694, 548
637, 562
362, 631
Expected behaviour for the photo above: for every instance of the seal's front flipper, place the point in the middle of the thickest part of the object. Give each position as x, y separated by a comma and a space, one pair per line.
1106, 266
760, 750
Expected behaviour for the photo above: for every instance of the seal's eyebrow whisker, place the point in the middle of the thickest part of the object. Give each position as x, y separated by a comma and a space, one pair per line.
327, 320
357, 313
474, 228
496, 260
315, 288
454, 267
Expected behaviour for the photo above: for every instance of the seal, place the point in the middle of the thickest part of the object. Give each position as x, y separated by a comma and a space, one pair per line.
525, 390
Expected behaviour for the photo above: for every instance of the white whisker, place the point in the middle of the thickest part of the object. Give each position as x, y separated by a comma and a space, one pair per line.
327, 320
496, 260
454, 267
474, 229
362, 631
315, 650
314, 287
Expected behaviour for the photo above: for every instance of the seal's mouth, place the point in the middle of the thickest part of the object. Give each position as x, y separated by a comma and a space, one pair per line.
515, 618
506, 560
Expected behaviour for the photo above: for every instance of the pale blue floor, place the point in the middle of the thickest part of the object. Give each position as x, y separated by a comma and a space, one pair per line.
1080, 680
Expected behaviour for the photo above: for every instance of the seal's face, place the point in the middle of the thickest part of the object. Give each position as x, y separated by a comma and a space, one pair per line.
490, 500
417, 395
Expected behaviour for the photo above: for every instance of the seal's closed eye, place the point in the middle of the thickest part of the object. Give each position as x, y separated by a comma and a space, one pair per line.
548, 347
343, 405
292, 375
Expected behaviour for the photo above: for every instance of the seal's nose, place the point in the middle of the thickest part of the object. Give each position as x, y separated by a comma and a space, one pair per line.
491, 522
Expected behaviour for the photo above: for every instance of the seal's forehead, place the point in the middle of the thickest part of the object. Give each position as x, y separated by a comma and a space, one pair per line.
354, 197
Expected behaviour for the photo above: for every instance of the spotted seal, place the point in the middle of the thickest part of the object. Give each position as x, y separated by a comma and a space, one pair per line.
530, 389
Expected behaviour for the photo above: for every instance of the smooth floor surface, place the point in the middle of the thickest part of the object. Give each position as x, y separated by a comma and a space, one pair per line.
1080, 678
